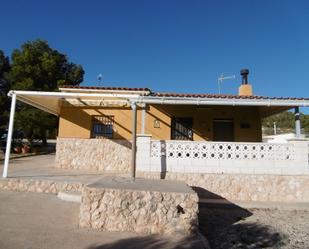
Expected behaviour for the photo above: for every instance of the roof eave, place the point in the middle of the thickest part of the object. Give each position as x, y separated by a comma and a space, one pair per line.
222, 101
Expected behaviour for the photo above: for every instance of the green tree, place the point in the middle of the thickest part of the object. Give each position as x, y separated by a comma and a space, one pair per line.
285, 122
4, 87
38, 67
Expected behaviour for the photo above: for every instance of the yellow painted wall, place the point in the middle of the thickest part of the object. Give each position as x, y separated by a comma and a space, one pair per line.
203, 121
76, 121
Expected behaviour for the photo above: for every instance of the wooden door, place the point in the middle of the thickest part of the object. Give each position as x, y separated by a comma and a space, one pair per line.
223, 130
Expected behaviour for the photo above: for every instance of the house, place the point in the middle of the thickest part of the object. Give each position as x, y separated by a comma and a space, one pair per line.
117, 129
169, 116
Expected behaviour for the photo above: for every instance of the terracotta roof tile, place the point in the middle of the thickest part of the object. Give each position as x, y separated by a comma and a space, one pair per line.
105, 88
173, 94
221, 96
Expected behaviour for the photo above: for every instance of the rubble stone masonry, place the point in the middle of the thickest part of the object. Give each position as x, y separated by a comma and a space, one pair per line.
93, 154
140, 211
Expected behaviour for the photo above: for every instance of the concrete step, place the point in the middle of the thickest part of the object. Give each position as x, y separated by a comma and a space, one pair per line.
70, 196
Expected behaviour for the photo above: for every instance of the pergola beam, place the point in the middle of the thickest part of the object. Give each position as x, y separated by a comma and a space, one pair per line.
73, 95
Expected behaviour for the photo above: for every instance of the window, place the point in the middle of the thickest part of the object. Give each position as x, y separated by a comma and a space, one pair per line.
182, 129
102, 126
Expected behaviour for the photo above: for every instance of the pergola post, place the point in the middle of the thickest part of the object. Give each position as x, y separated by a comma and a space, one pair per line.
134, 127
143, 119
297, 122
9, 137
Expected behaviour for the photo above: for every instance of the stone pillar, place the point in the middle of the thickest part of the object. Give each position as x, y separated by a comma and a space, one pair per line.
143, 151
301, 153
297, 122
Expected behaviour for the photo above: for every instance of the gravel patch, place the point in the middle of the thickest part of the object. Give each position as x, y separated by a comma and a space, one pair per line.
235, 227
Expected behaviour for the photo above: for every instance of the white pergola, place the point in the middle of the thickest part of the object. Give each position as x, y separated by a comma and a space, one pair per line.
51, 103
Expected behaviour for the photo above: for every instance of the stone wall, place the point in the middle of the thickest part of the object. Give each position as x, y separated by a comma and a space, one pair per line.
39, 186
93, 154
147, 212
244, 187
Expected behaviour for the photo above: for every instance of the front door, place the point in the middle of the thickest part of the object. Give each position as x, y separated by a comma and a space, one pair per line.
223, 130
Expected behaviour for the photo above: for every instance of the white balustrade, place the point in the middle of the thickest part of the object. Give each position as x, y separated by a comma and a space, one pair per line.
223, 157
221, 150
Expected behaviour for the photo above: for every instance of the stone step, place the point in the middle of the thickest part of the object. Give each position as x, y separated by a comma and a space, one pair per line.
70, 196
223, 203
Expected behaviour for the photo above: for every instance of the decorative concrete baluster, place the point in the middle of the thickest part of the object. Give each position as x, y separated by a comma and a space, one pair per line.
229, 157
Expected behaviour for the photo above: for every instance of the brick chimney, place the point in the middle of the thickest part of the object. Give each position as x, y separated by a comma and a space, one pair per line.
245, 89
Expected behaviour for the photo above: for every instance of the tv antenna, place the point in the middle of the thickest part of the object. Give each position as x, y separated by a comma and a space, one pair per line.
99, 78
222, 78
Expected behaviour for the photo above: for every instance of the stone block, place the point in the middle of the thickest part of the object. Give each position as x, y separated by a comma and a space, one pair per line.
141, 206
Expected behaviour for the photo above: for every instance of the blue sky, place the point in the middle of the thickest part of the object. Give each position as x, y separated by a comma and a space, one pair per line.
173, 45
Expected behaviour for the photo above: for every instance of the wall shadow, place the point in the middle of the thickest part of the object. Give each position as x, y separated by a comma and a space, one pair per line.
84, 120
204, 127
117, 123
120, 139
248, 235
171, 113
83, 124
223, 224
163, 159
153, 242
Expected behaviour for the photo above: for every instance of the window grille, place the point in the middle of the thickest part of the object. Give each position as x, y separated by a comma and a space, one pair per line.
102, 126
182, 129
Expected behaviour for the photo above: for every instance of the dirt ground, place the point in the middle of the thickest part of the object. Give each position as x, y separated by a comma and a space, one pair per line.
42, 221
235, 227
